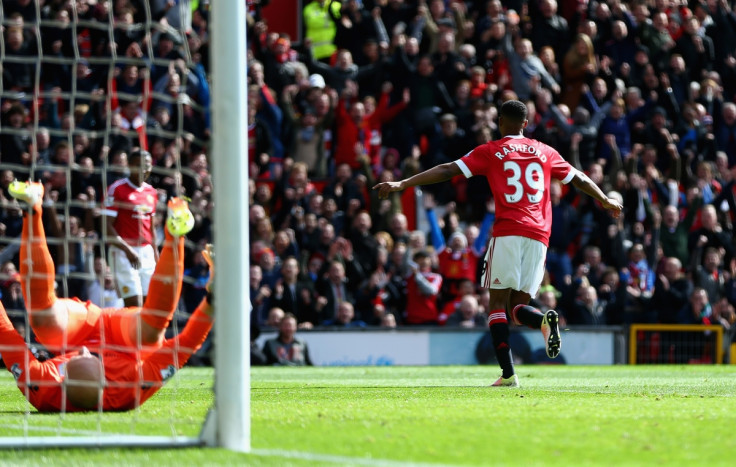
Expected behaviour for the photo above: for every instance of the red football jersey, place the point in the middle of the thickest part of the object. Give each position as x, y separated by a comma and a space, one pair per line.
134, 208
519, 171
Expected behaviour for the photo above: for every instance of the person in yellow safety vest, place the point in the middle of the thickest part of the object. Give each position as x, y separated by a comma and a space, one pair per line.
319, 21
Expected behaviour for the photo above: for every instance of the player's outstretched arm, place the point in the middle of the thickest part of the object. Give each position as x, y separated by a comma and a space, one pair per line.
436, 174
588, 186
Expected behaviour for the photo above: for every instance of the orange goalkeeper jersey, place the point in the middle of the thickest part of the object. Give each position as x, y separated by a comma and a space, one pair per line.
130, 381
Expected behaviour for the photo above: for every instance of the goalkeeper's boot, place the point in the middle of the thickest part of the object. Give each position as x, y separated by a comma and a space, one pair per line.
180, 220
30, 192
512, 382
551, 333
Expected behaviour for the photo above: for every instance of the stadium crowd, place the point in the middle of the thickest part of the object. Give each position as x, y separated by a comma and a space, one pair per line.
638, 94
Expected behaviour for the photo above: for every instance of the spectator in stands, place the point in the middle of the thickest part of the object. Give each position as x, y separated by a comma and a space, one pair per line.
549, 28
423, 285
134, 82
345, 71
260, 147
578, 67
345, 317
547, 56
365, 245
285, 349
14, 146
378, 115
398, 228
674, 235
613, 294
467, 315
344, 192
165, 48
358, 26
710, 234
466, 287
293, 295
259, 295
334, 288
725, 130
656, 37
621, 47
527, 70
698, 310
640, 277
587, 309
428, 94
275, 315
388, 321
284, 245
307, 138
452, 141
270, 269
709, 276
672, 291
19, 76
724, 314
101, 289
616, 124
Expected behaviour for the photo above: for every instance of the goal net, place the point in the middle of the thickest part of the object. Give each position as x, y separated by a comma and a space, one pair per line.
84, 85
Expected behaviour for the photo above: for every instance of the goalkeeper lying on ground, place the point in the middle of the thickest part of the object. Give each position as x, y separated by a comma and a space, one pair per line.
115, 379
63, 325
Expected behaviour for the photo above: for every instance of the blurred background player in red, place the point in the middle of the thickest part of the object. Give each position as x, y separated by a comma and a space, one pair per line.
129, 209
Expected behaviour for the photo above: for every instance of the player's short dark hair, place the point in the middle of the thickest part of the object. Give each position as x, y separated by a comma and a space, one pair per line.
514, 110
137, 154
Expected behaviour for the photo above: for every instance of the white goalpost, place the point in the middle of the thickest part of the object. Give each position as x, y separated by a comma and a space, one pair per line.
227, 424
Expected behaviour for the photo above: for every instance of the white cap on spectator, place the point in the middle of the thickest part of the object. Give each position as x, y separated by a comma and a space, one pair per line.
316, 81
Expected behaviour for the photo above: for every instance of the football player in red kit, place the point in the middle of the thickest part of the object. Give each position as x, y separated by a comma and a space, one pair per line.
519, 171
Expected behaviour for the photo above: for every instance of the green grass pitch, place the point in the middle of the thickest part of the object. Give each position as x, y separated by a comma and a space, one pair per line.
562, 415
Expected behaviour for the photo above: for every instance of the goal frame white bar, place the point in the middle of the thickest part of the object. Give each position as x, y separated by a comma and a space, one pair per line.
228, 423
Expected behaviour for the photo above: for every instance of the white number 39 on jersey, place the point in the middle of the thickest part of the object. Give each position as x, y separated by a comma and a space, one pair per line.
532, 184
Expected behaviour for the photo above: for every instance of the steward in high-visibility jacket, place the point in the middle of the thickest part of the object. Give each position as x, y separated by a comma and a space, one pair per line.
319, 21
